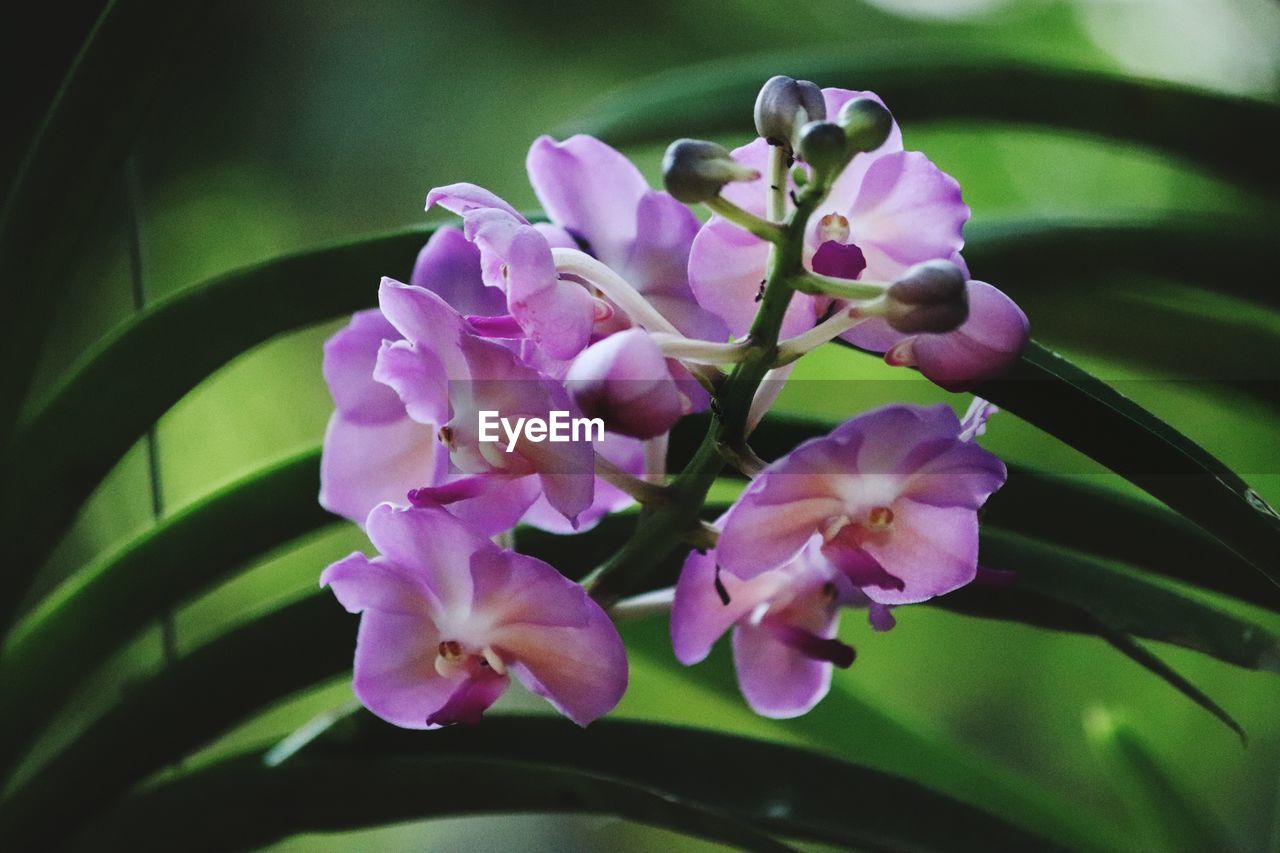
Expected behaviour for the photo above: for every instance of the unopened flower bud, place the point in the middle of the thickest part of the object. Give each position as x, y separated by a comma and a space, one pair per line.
694, 170
779, 106
866, 123
822, 145
626, 381
929, 297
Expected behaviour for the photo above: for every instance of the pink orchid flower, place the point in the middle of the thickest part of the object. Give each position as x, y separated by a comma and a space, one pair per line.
888, 210
784, 623
893, 494
447, 618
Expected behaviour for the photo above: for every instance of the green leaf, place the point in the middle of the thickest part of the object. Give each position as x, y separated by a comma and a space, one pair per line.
1129, 603
161, 719
75, 157
148, 363
1224, 254
376, 774
1170, 818
1048, 391
932, 80
103, 606
845, 724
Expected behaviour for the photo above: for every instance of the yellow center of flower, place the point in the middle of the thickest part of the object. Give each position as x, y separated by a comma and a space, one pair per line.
452, 658
835, 227
446, 436
879, 518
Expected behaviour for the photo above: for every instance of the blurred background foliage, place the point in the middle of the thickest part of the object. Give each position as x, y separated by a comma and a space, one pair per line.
284, 126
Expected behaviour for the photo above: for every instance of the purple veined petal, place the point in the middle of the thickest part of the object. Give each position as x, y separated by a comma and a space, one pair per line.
434, 545
394, 671
361, 584
466, 198
489, 503
418, 377
974, 422
556, 315
498, 326
752, 196
425, 319
846, 187
591, 190
983, 347
628, 454
906, 210
891, 437
449, 265
555, 639
395, 674
934, 550
658, 262
726, 269
349, 358
777, 680
658, 265
761, 533
699, 616
556, 237
962, 475
492, 231
469, 700
364, 465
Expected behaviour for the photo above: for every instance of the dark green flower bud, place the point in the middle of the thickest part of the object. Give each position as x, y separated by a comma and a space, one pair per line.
694, 170
928, 297
780, 105
823, 146
866, 123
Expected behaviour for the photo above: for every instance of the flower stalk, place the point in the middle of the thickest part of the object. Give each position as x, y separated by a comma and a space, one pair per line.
660, 533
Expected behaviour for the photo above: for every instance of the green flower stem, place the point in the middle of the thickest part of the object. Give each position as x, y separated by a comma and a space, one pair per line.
841, 288
662, 531
762, 228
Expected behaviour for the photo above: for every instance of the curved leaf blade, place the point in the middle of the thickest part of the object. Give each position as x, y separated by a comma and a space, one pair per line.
804, 795
135, 375
102, 607
932, 81
1051, 393
76, 154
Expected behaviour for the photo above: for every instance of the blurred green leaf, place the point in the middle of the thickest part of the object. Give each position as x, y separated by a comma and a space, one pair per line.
163, 718
1148, 660
132, 377
100, 608
1051, 393
1128, 603
373, 773
934, 80
1169, 817
1222, 254
74, 158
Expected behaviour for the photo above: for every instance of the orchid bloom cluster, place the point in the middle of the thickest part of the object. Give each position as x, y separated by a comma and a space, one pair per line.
623, 312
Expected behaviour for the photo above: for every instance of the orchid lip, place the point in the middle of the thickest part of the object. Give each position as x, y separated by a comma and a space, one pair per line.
811, 645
